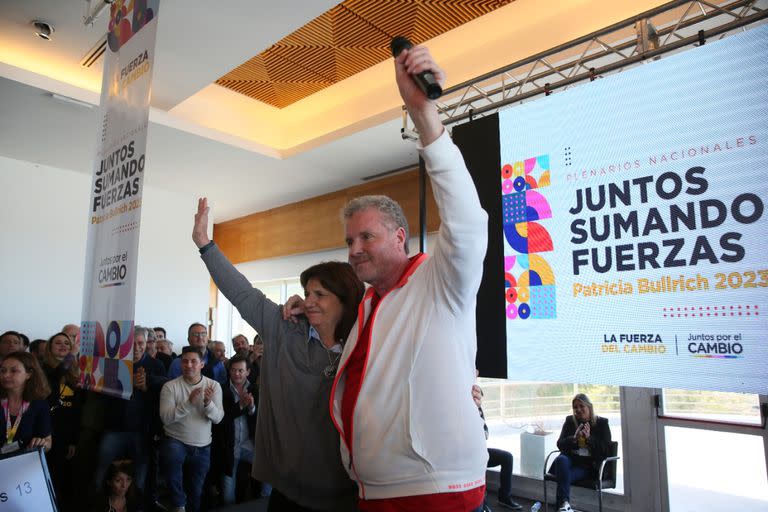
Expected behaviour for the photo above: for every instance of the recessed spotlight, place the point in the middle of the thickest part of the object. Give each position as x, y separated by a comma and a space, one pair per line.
43, 30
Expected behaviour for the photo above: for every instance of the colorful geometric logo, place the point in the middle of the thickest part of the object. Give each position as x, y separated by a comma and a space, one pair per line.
120, 29
106, 358
528, 278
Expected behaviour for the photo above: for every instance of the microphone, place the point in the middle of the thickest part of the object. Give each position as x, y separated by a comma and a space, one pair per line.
426, 79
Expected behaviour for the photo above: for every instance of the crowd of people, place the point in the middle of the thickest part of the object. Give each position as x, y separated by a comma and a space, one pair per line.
193, 433
351, 398
138, 440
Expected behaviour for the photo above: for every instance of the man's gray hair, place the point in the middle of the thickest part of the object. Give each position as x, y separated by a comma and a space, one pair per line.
390, 210
140, 331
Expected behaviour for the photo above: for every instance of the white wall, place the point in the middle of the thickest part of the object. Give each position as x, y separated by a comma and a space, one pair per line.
43, 227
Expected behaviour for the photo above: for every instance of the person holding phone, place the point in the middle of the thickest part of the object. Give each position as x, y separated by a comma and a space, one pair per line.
584, 442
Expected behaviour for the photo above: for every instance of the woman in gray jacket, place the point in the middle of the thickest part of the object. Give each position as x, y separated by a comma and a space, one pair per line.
296, 446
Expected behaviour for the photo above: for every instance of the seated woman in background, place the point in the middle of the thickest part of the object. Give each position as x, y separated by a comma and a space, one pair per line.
584, 442
26, 421
117, 493
66, 403
296, 448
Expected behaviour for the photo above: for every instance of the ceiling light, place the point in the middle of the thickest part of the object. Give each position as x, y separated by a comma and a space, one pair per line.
43, 30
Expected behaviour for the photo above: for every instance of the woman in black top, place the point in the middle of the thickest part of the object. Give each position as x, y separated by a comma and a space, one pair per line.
65, 402
584, 442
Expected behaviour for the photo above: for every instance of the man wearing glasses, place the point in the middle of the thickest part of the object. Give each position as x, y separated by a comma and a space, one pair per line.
197, 336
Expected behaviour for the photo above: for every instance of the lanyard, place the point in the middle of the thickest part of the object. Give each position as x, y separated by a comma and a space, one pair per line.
10, 430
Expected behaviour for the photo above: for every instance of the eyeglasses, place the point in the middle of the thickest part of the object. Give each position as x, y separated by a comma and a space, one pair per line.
198, 334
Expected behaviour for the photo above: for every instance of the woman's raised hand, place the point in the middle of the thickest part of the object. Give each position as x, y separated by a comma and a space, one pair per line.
200, 229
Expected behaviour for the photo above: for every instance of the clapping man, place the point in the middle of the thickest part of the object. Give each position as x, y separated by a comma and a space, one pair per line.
189, 405
233, 437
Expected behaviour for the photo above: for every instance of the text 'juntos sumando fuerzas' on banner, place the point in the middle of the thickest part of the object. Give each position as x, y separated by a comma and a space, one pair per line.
648, 230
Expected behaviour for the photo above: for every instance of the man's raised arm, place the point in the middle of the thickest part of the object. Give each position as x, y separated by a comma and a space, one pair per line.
422, 110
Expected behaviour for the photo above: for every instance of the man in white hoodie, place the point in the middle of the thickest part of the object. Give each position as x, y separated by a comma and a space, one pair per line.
189, 405
411, 435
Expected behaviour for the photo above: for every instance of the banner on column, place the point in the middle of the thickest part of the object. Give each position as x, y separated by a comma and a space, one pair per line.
106, 333
634, 225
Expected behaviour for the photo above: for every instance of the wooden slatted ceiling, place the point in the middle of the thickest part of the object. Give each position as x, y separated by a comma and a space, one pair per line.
343, 41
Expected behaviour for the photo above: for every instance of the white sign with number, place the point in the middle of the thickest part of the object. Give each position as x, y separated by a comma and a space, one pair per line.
24, 484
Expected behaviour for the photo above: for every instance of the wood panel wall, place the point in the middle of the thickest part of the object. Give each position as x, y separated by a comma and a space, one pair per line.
315, 224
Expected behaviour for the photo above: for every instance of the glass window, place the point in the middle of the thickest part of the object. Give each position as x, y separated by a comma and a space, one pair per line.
273, 290
709, 470
276, 291
525, 418
240, 326
739, 408
293, 288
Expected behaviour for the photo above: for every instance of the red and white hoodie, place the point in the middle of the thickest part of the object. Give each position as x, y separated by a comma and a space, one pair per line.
415, 428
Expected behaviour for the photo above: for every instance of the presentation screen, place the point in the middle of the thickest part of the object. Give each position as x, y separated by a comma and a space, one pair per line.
628, 225
25, 484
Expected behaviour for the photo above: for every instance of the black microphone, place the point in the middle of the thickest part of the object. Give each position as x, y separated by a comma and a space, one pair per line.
426, 79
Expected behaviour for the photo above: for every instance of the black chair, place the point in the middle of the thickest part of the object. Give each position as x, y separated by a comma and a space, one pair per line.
606, 475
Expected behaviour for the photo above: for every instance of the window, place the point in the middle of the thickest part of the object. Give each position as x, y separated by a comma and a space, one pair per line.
739, 408
714, 455
276, 291
710, 470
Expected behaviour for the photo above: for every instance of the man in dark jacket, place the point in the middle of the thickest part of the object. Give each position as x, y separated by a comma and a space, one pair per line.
233, 436
497, 457
129, 425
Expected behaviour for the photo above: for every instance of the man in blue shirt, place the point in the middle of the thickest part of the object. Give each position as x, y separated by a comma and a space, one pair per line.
197, 336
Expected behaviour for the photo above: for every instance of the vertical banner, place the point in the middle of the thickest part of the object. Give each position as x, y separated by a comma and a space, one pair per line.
106, 331
634, 225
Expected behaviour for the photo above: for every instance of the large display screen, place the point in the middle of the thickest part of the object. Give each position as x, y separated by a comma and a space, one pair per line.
632, 245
